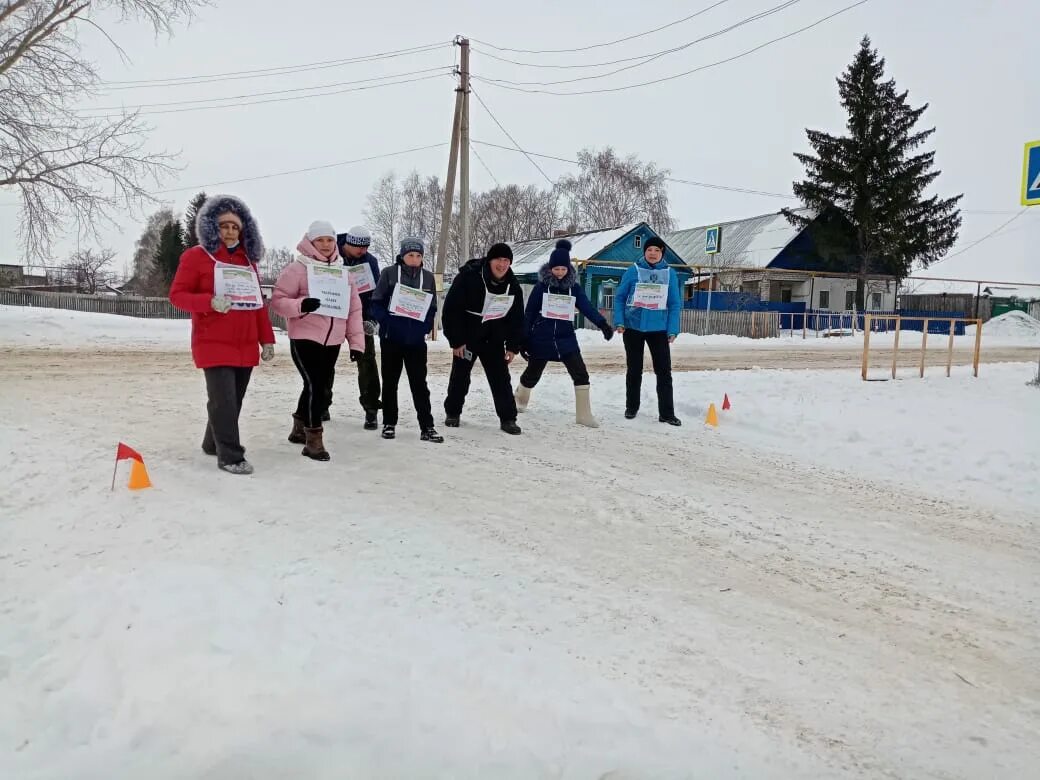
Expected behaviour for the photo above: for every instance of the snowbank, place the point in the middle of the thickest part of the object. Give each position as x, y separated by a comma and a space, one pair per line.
1013, 327
28, 326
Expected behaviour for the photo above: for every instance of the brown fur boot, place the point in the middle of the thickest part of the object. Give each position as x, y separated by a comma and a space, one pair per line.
296, 434
315, 447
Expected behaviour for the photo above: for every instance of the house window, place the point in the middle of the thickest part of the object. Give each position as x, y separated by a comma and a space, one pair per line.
850, 300
606, 296
785, 295
639, 242
875, 301
825, 299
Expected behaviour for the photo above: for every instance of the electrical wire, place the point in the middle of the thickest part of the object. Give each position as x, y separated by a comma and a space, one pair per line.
440, 69
275, 100
677, 75
626, 39
515, 144
210, 185
989, 235
702, 184
486, 168
175, 81
654, 56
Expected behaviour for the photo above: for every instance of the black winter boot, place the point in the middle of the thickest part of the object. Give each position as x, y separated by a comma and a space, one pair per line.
370, 420
510, 427
389, 432
430, 434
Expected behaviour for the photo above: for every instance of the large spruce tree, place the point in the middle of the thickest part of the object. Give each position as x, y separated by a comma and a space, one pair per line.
870, 184
189, 237
167, 256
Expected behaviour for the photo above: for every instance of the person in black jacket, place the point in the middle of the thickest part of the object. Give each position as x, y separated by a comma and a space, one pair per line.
483, 319
405, 317
364, 273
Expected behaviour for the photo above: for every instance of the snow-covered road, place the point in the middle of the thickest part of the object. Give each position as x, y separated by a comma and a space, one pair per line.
840, 581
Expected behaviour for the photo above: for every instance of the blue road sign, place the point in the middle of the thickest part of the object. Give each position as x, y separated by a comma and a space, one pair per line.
1031, 175
712, 240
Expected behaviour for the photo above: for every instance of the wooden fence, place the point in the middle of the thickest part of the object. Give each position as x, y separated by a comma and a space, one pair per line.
126, 306
157, 308
962, 304
749, 324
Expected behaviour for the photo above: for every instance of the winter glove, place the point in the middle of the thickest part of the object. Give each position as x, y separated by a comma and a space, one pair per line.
267, 352
370, 327
309, 305
608, 332
220, 304
356, 355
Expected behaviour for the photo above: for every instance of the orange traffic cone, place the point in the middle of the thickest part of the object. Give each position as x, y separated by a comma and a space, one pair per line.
138, 476
725, 402
713, 417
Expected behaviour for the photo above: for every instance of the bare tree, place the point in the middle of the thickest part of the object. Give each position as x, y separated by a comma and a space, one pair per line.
610, 191
383, 215
275, 259
148, 244
89, 269
66, 166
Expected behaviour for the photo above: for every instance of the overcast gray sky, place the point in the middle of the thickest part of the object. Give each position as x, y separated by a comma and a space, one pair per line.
736, 124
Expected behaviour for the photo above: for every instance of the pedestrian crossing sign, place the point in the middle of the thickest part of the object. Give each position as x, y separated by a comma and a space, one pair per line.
1031, 175
712, 240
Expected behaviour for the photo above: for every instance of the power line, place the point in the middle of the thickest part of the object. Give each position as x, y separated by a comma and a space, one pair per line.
175, 81
705, 185
440, 69
626, 39
678, 75
653, 56
486, 168
518, 147
989, 235
198, 187
275, 100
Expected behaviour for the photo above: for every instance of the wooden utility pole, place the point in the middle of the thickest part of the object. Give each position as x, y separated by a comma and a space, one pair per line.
460, 119
464, 250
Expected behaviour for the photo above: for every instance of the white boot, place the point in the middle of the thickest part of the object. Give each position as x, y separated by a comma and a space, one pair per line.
522, 396
583, 407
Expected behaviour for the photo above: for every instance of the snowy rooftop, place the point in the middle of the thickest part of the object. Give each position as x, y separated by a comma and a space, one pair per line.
529, 256
746, 243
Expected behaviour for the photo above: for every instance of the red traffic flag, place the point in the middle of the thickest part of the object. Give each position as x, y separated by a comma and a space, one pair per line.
123, 452
725, 401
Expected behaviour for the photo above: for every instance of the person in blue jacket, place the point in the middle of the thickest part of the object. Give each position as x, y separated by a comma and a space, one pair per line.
397, 305
550, 331
647, 308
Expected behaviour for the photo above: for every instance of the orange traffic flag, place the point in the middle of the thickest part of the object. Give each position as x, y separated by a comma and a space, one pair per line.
138, 476
138, 473
713, 417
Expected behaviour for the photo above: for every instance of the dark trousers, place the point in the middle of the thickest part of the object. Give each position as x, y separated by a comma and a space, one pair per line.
316, 363
661, 355
575, 367
493, 358
225, 388
367, 377
394, 358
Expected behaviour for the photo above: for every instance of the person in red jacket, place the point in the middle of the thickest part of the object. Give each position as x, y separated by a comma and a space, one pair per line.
218, 283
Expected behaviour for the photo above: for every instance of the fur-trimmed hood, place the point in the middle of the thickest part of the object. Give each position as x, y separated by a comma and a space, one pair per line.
545, 277
209, 234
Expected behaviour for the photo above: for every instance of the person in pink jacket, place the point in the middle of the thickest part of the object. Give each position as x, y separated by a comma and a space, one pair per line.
317, 329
